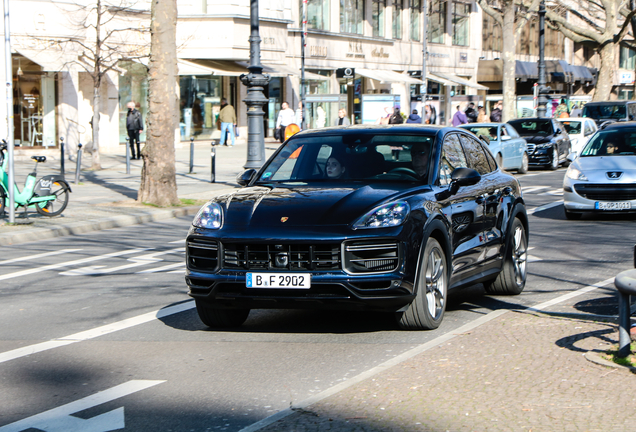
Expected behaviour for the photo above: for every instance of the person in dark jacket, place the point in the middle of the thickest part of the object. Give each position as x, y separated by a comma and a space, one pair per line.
414, 118
134, 126
396, 118
471, 113
495, 115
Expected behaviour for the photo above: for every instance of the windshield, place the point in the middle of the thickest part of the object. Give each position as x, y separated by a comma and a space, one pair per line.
351, 157
532, 127
612, 143
607, 111
572, 127
489, 132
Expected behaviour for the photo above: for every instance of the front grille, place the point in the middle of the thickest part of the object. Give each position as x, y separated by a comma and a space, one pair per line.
202, 254
531, 148
294, 257
606, 192
371, 256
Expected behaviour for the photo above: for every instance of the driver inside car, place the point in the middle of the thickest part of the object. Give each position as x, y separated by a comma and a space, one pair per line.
419, 159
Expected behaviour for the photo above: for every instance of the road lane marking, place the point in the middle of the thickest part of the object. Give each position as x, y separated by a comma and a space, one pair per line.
544, 207
177, 241
531, 189
412, 353
60, 419
42, 255
158, 269
68, 264
96, 332
554, 192
135, 262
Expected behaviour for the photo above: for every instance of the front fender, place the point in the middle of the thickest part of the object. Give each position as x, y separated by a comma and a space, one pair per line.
43, 186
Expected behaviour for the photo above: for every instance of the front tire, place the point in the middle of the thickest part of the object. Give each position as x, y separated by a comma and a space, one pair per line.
554, 165
512, 277
57, 206
221, 318
427, 309
524, 164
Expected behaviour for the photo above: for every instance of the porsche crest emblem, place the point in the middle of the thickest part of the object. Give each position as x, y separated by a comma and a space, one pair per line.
284, 219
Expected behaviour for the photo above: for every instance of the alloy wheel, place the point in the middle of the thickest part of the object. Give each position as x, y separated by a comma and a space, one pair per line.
520, 255
435, 284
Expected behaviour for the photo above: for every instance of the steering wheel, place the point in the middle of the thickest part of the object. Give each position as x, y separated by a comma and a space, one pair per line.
404, 171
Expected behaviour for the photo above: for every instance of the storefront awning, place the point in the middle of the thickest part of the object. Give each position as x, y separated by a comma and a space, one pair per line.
556, 71
461, 81
188, 68
386, 76
49, 60
221, 67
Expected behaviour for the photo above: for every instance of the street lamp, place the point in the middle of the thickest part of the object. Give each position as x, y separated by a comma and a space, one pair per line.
255, 81
542, 99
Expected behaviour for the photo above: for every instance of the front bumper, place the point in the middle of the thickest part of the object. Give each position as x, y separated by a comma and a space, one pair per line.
540, 156
576, 202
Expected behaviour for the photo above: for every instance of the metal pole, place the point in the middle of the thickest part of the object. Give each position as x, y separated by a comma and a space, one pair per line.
255, 100
424, 86
624, 338
191, 154
9, 83
213, 163
302, 66
541, 108
127, 155
62, 156
78, 163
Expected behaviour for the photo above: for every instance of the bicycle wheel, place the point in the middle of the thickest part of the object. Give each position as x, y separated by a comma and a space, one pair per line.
56, 206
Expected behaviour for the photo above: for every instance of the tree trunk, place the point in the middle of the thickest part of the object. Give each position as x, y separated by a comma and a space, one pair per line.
96, 165
509, 63
605, 79
158, 175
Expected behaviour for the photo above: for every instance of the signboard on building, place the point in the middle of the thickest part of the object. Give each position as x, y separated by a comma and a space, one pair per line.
626, 77
345, 73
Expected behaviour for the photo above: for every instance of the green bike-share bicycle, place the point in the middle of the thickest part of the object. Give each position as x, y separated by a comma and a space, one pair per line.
49, 195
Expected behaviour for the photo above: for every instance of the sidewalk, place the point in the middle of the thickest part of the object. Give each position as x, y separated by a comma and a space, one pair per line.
106, 198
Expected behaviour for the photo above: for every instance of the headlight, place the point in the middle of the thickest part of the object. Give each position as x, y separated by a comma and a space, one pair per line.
210, 216
387, 215
574, 174
544, 145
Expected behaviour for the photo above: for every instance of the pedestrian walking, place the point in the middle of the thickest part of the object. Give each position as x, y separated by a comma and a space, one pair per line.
134, 126
414, 118
286, 116
342, 119
481, 116
495, 115
459, 118
471, 113
396, 117
561, 110
227, 117
299, 115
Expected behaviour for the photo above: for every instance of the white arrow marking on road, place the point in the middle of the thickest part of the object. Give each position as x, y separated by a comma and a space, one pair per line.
42, 255
545, 207
136, 262
166, 267
96, 332
533, 188
60, 420
67, 264
553, 192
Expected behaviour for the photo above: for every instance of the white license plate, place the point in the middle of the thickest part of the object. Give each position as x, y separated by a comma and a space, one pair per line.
278, 280
613, 205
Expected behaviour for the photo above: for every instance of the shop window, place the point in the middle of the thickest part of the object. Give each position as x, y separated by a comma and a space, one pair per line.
317, 14
416, 9
397, 19
436, 21
461, 23
627, 58
200, 105
313, 86
351, 16
377, 17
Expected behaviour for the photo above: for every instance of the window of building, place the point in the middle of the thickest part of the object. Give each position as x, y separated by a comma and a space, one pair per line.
416, 9
317, 14
200, 106
528, 42
436, 21
397, 19
351, 16
133, 86
627, 59
492, 34
378, 7
461, 23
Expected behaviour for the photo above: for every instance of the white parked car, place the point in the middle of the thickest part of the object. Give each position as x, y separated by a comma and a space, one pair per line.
580, 130
603, 177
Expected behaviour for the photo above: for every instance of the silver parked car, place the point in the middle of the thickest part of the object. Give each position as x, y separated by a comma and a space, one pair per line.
603, 177
505, 144
580, 131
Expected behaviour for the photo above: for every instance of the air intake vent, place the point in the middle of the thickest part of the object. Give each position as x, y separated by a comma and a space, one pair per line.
202, 254
294, 257
371, 257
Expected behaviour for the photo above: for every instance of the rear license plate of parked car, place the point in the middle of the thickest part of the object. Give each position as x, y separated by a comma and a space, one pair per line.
613, 206
278, 280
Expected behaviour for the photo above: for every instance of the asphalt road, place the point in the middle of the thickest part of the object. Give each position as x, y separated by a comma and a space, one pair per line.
100, 326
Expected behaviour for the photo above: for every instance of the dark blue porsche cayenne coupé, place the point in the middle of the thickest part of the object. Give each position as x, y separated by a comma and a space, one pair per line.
383, 218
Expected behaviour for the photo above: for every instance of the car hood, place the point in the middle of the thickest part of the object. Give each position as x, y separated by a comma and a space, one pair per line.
537, 139
596, 168
270, 206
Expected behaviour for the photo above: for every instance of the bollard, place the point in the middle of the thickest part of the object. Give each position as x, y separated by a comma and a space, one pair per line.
78, 162
127, 155
62, 156
625, 283
213, 163
191, 154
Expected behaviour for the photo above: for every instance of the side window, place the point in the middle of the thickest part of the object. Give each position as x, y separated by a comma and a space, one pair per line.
452, 157
588, 128
475, 155
512, 131
632, 111
504, 132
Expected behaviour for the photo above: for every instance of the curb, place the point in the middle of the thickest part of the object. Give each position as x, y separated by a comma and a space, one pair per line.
76, 228
597, 359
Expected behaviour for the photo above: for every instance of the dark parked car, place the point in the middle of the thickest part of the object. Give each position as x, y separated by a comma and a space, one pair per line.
610, 111
548, 142
382, 218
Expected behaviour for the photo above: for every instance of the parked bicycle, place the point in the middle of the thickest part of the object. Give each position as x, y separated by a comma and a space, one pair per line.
49, 195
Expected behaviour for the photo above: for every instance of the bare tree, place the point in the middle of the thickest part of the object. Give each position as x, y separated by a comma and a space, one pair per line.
600, 24
512, 16
158, 175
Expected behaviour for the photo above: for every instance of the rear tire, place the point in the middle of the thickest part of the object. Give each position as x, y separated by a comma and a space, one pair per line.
427, 309
512, 277
221, 318
57, 206
554, 164
524, 164
572, 215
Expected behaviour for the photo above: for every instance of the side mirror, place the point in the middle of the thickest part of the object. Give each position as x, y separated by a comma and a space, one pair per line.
558, 131
245, 177
459, 177
572, 156
506, 138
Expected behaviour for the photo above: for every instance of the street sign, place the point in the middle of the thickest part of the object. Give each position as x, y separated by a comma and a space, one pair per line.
345, 73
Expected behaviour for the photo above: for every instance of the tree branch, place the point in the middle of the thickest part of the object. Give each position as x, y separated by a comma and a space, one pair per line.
494, 13
582, 33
